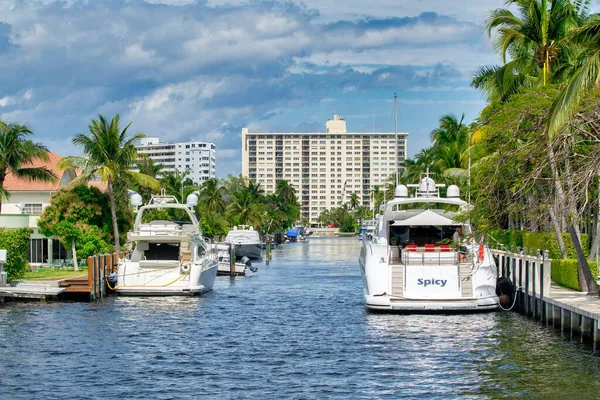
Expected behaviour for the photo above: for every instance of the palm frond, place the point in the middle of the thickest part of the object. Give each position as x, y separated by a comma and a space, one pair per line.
42, 174
568, 99
143, 179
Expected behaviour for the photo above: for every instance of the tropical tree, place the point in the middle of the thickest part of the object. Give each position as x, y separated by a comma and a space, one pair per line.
211, 194
177, 184
585, 77
354, 202
244, 210
285, 191
16, 154
533, 43
76, 217
147, 166
109, 155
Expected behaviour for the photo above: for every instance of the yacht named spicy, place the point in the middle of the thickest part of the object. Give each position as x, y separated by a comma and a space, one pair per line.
419, 261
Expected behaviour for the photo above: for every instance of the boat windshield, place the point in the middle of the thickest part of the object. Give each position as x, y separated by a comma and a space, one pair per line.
162, 251
421, 235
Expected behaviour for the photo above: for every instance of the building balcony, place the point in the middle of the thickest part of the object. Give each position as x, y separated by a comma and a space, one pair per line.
14, 221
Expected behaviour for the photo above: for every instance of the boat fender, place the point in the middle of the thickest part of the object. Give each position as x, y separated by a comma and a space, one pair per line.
112, 278
185, 268
505, 291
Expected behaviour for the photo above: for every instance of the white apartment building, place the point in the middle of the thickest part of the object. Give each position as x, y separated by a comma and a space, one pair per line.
324, 167
198, 158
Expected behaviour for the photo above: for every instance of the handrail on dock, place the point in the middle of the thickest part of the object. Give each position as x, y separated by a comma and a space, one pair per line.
575, 314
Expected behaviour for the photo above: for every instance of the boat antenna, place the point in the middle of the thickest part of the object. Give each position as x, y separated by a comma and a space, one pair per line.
396, 133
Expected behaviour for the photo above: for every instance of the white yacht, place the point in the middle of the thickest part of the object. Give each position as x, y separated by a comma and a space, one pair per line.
169, 258
416, 262
246, 241
223, 253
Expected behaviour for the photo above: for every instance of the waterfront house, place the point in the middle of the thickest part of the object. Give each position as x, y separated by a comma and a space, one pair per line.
25, 205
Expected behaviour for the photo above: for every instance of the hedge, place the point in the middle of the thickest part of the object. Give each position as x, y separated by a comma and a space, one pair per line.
16, 244
540, 240
564, 272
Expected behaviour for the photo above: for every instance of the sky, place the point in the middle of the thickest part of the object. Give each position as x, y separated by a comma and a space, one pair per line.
203, 70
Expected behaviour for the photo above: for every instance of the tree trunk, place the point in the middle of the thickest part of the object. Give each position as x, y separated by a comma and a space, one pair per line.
113, 214
596, 241
1, 185
586, 281
555, 223
75, 267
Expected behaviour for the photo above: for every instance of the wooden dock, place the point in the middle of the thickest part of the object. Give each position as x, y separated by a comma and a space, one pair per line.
91, 287
575, 314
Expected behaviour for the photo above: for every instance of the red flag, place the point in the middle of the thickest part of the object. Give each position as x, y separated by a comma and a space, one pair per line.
481, 251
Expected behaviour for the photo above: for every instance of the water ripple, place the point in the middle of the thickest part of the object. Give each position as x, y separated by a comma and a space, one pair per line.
296, 330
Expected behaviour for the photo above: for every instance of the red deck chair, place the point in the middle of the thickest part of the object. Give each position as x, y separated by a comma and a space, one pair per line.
430, 247
445, 248
411, 247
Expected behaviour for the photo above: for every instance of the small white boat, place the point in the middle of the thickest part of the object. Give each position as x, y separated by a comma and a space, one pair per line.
242, 267
246, 241
414, 264
170, 258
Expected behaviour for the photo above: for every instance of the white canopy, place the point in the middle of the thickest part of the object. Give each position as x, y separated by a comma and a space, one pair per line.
427, 217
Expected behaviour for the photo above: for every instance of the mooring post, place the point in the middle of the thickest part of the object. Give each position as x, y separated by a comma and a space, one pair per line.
565, 322
596, 337
587, 333
231, 260
520, 287
533, 265
575, 325
527, 287
268, 256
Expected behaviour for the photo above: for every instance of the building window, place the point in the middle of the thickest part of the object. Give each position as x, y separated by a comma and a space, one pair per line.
32, 209
58, 250
38, 250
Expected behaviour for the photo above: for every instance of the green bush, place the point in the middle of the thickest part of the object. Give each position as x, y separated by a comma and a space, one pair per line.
540, 240
564, 272
16, 243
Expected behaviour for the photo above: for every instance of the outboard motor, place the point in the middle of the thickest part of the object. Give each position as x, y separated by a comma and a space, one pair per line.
246, 261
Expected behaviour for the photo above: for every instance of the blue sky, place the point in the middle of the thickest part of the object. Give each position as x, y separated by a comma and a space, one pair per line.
183, 69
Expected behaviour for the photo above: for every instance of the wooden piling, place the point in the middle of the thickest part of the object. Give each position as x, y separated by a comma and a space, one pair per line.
575, 325
231, 260
587, 329
596, 337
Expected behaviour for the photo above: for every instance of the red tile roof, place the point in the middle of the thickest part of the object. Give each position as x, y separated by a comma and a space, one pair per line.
13, 183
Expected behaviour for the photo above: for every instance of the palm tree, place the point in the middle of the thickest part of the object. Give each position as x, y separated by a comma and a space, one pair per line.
178, 184
244, 210
255, 190
16, 152
109, 156
211, 194
533, 44
585, 77
353, 200
285, 192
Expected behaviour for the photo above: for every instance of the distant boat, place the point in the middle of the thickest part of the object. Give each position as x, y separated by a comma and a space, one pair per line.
246, 241
292, 234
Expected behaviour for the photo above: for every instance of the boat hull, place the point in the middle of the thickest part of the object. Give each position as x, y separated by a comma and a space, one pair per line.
393, 287
252, 251
133, 281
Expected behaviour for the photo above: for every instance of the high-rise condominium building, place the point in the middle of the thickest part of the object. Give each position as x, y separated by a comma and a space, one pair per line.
196, 157
324, 167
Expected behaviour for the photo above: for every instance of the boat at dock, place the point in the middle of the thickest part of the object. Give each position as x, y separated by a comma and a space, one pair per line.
170, 258
246, 242
418, 262
243, 267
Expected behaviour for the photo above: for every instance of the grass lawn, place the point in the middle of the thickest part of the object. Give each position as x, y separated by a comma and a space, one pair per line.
46, 273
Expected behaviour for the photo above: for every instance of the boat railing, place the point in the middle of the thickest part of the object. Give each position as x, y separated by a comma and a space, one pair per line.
412, 257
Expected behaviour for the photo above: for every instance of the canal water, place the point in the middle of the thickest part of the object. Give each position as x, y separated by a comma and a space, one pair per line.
296, 330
